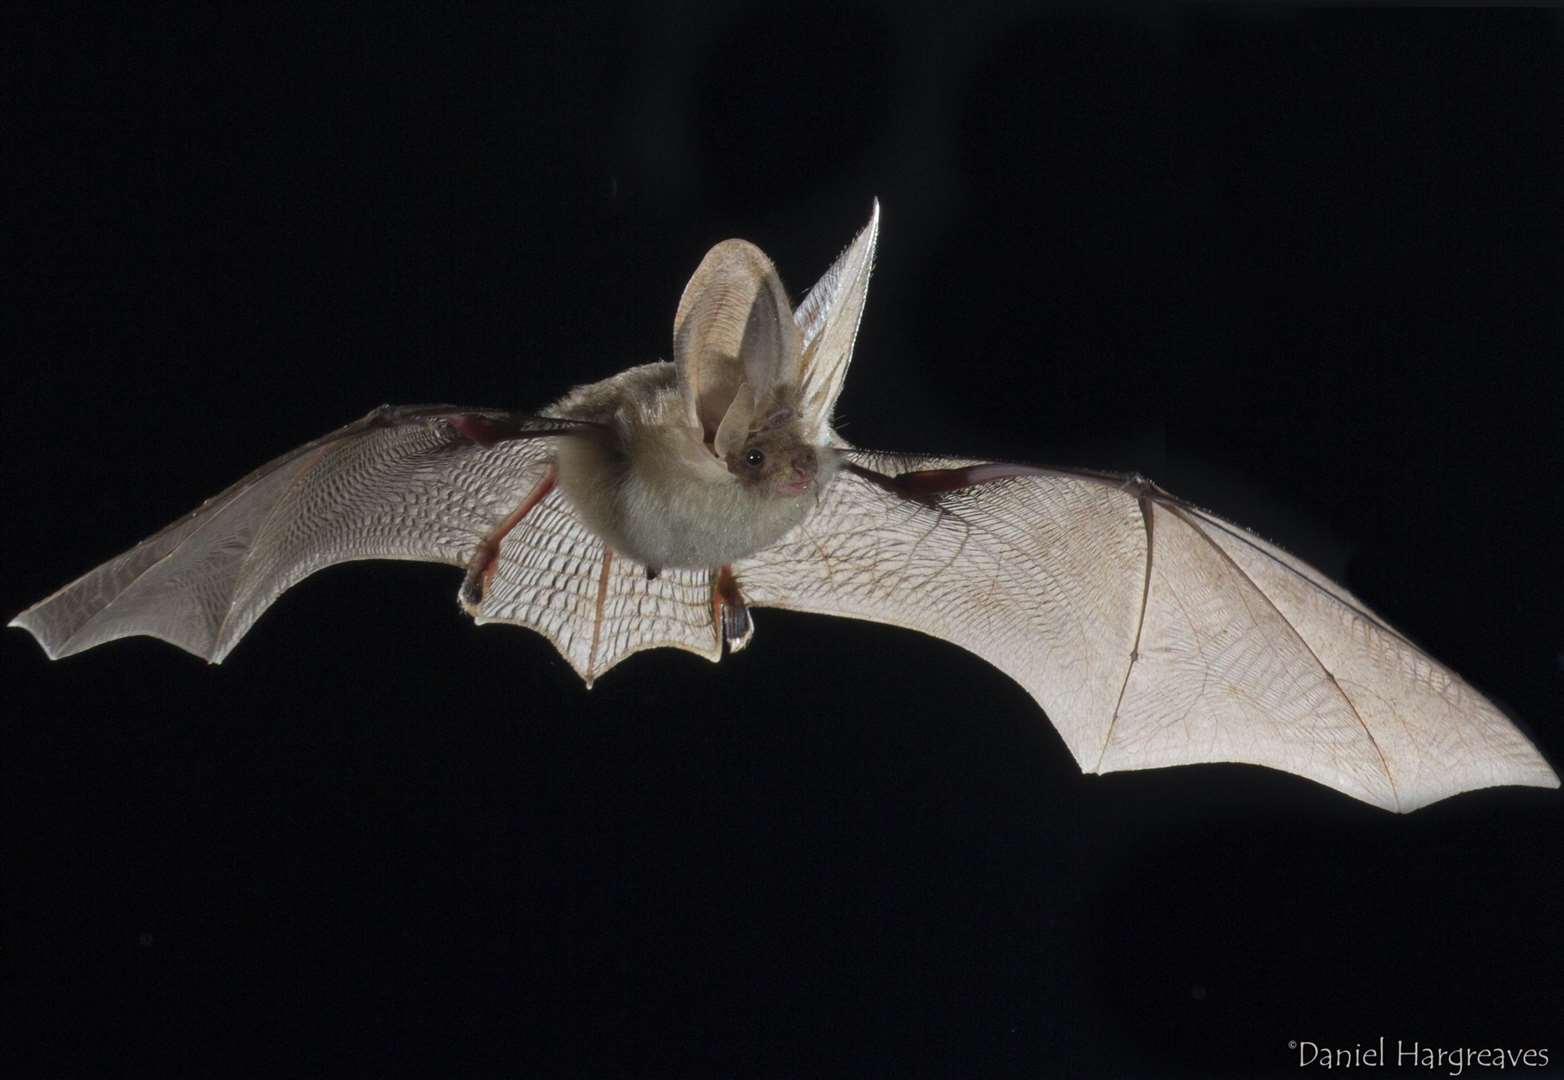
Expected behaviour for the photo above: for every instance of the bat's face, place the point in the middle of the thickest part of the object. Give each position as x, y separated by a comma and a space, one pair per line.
774, 458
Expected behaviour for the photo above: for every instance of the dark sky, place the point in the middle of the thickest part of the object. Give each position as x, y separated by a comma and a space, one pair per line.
1302, 266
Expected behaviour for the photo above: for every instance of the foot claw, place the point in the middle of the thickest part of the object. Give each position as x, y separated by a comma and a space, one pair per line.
471, 594
736, 626
732, 613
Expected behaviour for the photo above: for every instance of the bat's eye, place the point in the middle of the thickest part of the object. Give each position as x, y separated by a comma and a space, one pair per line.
754, 459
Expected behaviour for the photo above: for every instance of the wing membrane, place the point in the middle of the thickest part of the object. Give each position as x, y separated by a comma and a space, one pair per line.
402, 483
554, 576
1151, 633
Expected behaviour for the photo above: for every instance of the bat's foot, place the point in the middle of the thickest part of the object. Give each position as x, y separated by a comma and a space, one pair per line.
470, 596
737, 626
730, 612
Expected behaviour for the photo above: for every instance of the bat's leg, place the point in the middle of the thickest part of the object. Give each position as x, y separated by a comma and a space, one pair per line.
729, 611
480, 571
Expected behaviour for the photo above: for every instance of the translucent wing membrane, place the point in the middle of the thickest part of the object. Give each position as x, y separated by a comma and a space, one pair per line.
555, 577
415, 482
1151, 633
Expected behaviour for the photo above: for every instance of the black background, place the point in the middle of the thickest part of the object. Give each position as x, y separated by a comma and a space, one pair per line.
1302, 267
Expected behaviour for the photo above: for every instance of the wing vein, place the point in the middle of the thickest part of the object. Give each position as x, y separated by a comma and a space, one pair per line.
1140, 625
207, 511
255, 541
1248, 541
1329, 675
597, 612
1122, 480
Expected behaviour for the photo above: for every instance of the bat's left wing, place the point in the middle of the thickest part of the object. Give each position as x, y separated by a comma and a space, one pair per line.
1152, 633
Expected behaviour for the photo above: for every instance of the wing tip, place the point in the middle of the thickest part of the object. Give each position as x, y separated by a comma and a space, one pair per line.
59, 650
53, 645
22, 622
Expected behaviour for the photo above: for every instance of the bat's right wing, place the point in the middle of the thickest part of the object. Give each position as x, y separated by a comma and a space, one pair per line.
428, 483
1152, 633
468, 487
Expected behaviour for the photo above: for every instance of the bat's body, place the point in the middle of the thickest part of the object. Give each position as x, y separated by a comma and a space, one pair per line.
655, 507
648, 483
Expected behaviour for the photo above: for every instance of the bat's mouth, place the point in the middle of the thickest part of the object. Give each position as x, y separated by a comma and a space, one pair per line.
795, 487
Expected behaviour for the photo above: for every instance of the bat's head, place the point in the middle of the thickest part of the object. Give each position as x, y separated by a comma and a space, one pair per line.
738, 351
774, 458
759, 381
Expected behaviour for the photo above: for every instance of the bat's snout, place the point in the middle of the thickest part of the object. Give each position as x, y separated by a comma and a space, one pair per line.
799, 471
805, 463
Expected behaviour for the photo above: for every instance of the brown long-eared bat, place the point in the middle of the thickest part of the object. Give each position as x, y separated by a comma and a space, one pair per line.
657, 507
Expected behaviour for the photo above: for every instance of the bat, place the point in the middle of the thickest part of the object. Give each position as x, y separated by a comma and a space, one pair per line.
658, 507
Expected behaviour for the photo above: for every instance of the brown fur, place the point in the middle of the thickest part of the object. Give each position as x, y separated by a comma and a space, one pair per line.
655, 490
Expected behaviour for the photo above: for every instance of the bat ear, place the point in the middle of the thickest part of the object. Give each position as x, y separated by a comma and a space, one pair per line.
735, 424
828, 320
733, 331
769, 350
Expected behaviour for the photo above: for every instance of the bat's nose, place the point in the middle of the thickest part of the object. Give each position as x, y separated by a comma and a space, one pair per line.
805, 464
801, 468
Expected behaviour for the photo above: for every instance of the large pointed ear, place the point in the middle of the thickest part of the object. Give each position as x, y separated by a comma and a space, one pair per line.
828, 319
733, 331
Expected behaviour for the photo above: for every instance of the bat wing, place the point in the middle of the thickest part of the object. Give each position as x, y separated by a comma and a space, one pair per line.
427, 483
1152, 633
440, 484
553, 575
